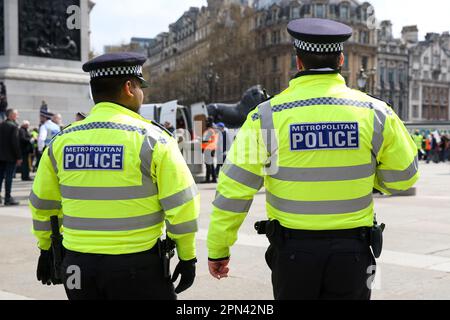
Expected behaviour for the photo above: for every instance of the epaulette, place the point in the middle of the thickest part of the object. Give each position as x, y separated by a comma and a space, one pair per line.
162, 128
265, 100
379, 99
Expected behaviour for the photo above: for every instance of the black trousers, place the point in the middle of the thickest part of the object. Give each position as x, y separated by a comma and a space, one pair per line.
7, 171
124, 277
322, 269
25, 168
209, 161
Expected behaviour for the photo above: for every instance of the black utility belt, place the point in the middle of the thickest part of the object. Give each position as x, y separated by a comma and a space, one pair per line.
358, 233
269, 228
277, 234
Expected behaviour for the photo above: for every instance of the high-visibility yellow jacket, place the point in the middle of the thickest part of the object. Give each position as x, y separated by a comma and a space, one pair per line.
331, 146
114, 179
418, 139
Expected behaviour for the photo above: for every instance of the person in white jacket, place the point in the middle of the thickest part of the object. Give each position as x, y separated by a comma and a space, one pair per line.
47, 131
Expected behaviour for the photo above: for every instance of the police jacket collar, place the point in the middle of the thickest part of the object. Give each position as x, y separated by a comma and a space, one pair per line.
316, 72
318, 76
115, 107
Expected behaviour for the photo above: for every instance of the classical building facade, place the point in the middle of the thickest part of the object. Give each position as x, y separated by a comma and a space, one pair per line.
429, 69
392, 70
262, 53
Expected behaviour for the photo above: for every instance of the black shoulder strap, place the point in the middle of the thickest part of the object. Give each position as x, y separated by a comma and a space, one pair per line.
379, 99
162, 128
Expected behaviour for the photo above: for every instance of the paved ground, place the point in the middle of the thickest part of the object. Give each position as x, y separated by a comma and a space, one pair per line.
415, 263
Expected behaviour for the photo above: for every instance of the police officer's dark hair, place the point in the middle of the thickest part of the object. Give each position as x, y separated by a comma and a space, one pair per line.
108, 89
313, 60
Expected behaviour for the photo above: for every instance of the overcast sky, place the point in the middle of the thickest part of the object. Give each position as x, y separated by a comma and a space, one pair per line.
116, 21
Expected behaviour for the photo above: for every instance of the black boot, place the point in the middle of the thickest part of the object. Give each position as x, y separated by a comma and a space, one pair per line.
11, 202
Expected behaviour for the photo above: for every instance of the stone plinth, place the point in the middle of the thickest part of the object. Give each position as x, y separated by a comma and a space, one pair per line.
32, 79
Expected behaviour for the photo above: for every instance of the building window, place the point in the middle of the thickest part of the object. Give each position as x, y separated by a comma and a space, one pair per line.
276, 84
263, 40
296, 13
364, 15
320, 11
426, 60
426, 75
365, 62
382, 76
364, 37
275, 64
415, 93
276, 37
344, 12
415, 111
307, 9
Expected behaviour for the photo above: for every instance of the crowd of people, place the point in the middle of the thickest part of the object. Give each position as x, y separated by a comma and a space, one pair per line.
433, 146
21, 146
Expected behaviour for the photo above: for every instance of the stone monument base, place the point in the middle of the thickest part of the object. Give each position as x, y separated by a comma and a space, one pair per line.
64, 92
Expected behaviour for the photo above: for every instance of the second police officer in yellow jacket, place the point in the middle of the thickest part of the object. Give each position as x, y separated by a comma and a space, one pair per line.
319, 148
116, 180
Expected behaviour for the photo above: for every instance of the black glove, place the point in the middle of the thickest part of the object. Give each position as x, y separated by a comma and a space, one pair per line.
45, 271
187, 271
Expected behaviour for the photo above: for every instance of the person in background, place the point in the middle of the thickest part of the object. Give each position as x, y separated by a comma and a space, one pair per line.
10, 155
418, 139
44, 106
47, 131
26, 149
209, 146
447, 148
223, 146
428, 142
57, 119
443, 148
434, 149
3, 102
34, 139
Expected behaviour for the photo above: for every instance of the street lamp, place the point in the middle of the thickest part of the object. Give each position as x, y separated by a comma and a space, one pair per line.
363, 77
213, 79
362, 80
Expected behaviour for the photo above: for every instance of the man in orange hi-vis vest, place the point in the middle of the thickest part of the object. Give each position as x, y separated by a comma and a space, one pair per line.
209, 145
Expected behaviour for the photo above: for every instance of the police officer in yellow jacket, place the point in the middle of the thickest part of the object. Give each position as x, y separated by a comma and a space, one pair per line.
319, 148
115, 180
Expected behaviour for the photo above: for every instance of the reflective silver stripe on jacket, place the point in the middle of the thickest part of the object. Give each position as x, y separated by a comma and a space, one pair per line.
43, 226
42, 204
391, 176
146, 190
269, 137
52, 158
182, 228
325, 174
319, 207
243, 176
232, 205
378, 128
318, 102
116, 224
179, 198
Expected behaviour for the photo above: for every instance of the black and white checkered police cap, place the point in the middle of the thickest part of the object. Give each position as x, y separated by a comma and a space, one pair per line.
116, 65
319, 35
